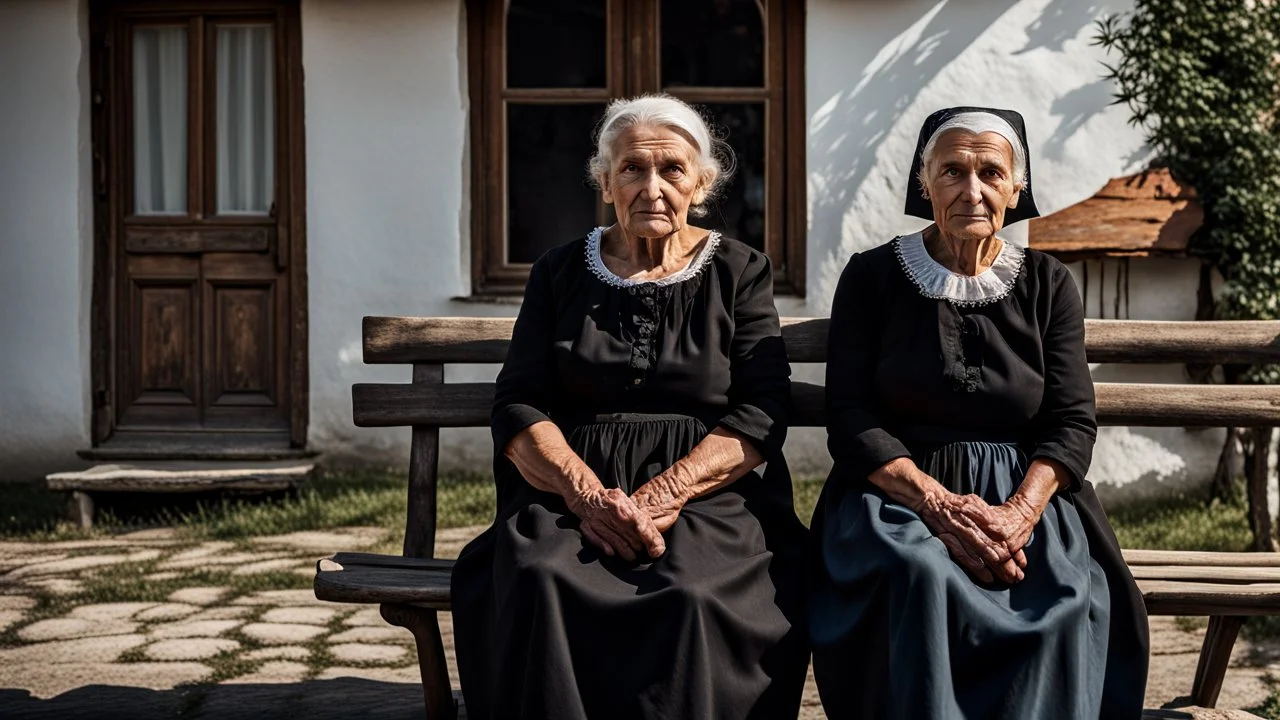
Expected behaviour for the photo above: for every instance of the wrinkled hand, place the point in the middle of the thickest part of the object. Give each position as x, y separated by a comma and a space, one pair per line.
612, 522
985, 540
662, 499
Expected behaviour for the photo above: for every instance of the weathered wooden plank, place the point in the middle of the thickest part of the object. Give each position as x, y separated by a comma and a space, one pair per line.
1208, 343
1123, 404
447, 405
377, 584
358, 559
1201, 559
484, 340
439, 340
1176, 597
172, 477
1157, 405
363, 578
806, 339
1207, 573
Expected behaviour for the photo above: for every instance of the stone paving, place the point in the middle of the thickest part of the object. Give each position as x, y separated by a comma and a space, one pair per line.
77, 642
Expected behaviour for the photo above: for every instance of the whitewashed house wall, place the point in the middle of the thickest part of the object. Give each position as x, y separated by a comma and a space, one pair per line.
388, 211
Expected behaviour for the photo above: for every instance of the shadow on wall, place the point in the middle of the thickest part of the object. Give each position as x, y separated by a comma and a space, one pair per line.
1076, 108
1061, 21
848, 131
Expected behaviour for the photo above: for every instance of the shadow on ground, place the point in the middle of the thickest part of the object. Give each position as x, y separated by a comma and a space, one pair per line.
314, 700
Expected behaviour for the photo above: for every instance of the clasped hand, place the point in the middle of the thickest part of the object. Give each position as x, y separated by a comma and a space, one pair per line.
986, 540
629, 527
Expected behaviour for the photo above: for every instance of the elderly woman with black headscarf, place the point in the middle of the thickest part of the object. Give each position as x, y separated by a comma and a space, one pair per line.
640, 566
963, 567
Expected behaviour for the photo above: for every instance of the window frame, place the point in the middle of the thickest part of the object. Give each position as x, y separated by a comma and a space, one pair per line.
633, 25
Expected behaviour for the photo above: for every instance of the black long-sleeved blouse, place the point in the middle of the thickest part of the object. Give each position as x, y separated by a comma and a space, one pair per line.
920, 356
704, 342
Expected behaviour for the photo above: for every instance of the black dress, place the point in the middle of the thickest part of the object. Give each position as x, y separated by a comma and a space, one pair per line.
635, 375
973, 378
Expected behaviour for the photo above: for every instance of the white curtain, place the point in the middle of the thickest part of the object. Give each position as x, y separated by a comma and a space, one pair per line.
246, 120
160, 120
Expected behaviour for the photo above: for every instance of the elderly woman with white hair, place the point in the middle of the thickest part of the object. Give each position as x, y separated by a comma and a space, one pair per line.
962, 566
640, 566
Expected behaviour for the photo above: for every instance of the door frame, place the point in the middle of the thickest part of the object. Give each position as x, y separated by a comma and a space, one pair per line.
109, 192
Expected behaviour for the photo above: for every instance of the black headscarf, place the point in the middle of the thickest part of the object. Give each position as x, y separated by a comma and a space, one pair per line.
918, 206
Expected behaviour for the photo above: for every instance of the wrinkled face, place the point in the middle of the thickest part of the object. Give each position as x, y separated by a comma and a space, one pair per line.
653, 181
970, 183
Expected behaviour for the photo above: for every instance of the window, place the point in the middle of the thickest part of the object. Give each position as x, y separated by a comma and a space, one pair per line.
541, 73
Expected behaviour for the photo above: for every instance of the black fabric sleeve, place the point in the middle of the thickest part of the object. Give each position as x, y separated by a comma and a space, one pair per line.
856, 437
759, 385
1066, 425
527, 379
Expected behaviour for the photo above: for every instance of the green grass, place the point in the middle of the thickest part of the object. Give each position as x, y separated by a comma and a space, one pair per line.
1182, 522
334, 498
806, 492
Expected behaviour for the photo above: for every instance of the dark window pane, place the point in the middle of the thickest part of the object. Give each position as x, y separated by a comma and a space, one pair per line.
739, 213
712, 43
549, 200
556, 44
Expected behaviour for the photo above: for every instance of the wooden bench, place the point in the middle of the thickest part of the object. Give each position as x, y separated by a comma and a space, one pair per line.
411, 589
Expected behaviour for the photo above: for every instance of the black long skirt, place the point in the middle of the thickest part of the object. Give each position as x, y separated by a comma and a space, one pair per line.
899, 630
546, 626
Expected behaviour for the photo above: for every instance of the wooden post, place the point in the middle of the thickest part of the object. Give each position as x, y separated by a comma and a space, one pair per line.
424, 463
420, 542
1214, 656
431, 662
1259, 508
80, 509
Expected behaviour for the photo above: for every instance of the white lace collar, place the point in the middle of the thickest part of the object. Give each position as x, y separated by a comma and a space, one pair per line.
695, 266
936, 281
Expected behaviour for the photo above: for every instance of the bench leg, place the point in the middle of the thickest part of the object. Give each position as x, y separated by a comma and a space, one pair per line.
431, 663
1214, 655
80, 510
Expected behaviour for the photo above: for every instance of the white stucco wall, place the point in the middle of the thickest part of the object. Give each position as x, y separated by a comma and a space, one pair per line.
45, 236
388, 210
388, 215
386, 133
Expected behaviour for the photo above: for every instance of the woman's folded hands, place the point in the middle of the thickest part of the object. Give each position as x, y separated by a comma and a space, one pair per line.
986, 540
615, 523
611, 521
630, 527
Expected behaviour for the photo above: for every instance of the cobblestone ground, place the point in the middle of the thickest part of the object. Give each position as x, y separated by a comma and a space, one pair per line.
232, 630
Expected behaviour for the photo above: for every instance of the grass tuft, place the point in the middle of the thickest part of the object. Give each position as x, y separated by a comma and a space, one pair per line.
1182, 522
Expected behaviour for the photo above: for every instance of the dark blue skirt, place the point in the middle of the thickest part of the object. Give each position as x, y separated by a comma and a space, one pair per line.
899, 630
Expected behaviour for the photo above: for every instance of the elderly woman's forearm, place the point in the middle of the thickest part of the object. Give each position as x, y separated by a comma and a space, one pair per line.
546, 461
1044, 479
907, 484
722, 457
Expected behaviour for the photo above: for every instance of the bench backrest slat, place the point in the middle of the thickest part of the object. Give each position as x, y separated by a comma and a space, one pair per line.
407, 340
1125, 404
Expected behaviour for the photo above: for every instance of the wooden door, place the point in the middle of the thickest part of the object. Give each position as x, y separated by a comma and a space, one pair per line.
197, 148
